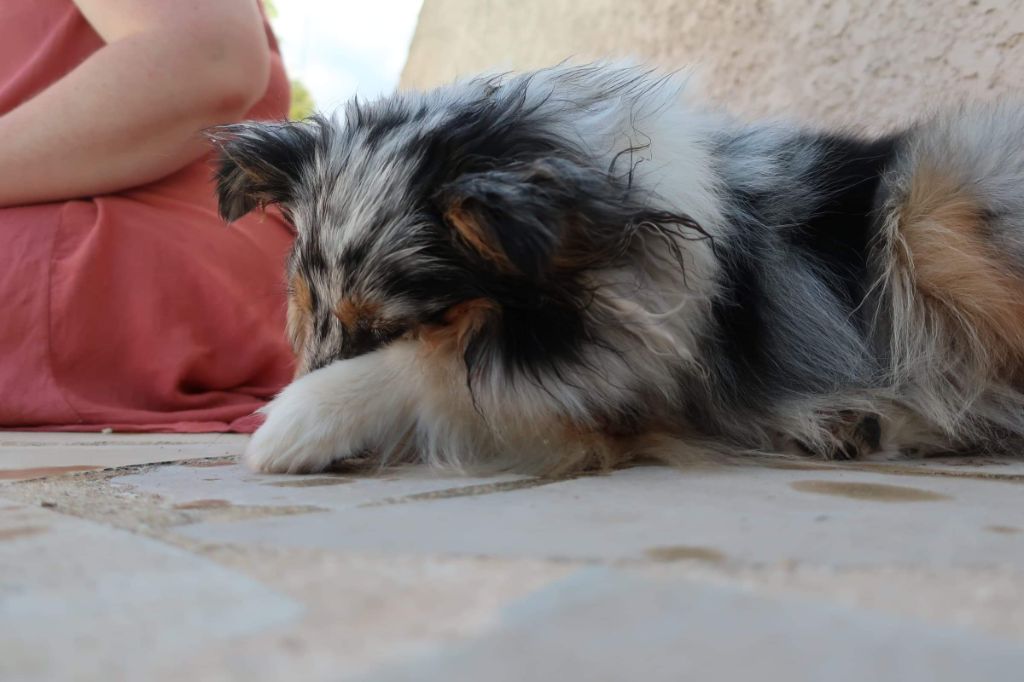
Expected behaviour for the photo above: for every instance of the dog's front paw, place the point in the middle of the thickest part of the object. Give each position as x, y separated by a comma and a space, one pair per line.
338, 411
305, 431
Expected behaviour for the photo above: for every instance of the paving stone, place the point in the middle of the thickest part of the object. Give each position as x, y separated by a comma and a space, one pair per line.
181, 484
81, 601
604, 625
204, 570
745, 515
26, 455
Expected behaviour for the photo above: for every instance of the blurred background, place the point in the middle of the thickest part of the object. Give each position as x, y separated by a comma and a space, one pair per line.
334, 49
861, 64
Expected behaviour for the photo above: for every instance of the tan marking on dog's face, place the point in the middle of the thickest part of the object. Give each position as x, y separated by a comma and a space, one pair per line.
955, 264
299, 319
460, 322
355, 312
574, 252
471, 232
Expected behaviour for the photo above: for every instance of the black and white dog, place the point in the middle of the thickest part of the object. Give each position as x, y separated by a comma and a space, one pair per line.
576, 266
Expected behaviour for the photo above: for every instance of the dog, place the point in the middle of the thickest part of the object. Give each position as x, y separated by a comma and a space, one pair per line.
574, 267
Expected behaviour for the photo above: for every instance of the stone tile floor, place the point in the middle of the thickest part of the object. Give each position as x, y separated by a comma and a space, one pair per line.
157, 557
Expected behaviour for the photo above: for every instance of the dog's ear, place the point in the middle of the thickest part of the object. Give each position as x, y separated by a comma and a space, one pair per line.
517, 216
262, 163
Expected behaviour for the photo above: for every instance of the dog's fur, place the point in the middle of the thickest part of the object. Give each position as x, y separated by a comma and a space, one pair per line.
576, 266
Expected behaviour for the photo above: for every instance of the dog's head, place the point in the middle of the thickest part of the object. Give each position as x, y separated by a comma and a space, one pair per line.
475, 207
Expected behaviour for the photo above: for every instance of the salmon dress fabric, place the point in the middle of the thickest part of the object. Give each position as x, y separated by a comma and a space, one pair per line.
142, 310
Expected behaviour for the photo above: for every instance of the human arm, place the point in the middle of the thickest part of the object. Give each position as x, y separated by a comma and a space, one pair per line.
131, 112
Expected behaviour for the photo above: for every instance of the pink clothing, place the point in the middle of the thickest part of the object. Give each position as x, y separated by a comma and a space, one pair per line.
141, 310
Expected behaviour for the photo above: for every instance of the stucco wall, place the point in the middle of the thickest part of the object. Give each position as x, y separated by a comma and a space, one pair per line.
866, 63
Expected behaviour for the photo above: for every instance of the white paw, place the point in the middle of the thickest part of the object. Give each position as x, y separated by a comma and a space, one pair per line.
338, 411
303, 433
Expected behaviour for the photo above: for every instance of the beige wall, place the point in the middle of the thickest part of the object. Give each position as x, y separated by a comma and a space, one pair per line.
867, 63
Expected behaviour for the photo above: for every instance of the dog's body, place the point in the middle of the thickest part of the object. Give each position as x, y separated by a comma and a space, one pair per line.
580, 265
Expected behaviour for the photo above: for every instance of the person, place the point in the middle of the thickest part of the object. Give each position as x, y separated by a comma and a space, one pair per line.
125, 301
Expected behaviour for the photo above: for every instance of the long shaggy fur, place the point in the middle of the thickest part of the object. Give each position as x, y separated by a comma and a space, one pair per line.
572, 267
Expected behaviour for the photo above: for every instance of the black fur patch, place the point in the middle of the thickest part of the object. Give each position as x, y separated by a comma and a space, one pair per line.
767, 345
262, 164
837, 236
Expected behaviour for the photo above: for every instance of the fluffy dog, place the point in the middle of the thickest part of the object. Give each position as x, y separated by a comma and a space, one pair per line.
572, 267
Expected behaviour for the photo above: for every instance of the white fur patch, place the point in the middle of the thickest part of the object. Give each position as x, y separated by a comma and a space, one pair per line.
336, 412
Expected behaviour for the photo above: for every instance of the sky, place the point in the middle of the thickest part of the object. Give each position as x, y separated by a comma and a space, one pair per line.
338, 48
